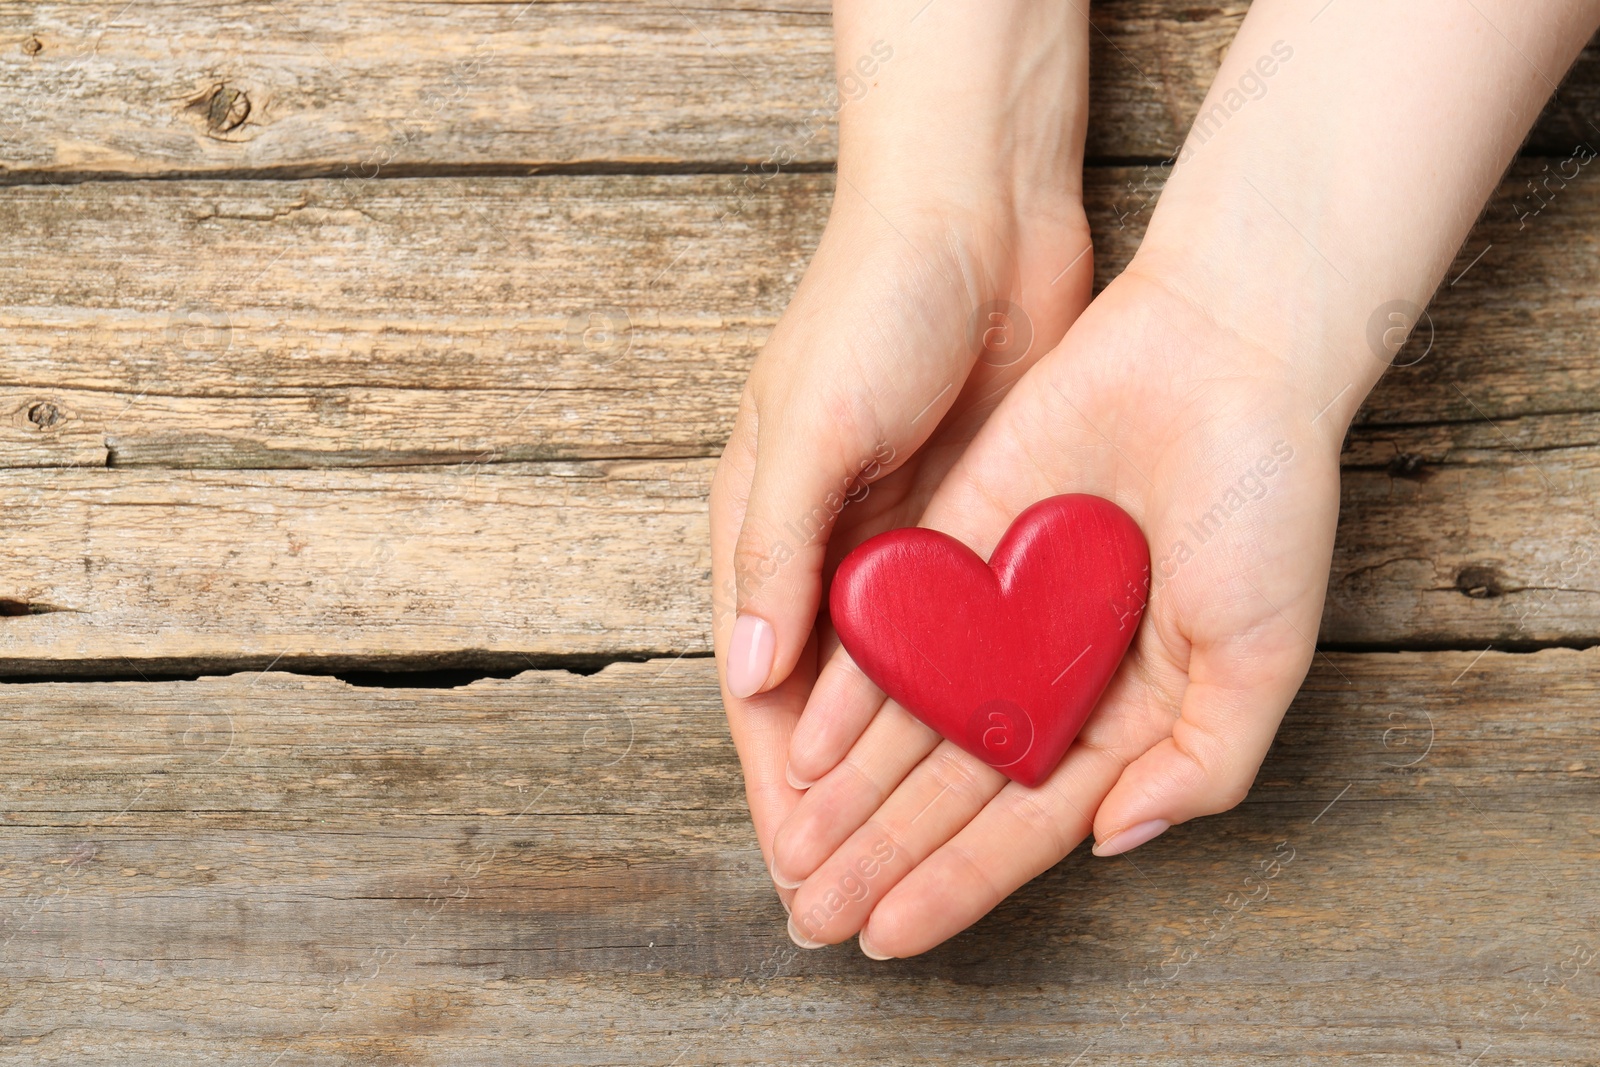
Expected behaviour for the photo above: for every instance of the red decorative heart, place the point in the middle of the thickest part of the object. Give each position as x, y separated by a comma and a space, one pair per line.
1006, 658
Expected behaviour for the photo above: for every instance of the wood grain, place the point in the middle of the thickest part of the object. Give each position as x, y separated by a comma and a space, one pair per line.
321, 324
165, 88
559, 869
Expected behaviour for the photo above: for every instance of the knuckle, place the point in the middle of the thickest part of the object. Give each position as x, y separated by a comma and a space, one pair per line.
960, 853
753, 546
1218, 780
954, 771
831, 420
870, 786
1230, 792
893, 844
1041, 822
758, 556
853, 415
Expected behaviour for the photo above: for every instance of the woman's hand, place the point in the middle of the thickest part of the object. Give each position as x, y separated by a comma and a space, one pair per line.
956, 253
1214, 448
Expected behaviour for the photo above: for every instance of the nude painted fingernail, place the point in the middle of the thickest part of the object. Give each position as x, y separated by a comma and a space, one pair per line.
750, 655
780, 882
867, 949
1131, 838
800, 939
788, 772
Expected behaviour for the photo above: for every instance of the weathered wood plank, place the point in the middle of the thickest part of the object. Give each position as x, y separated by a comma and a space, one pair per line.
1505, 553
120, 571
308, 324
297, 87
481, 567
558, 869
294, 88
487, 565
268, 323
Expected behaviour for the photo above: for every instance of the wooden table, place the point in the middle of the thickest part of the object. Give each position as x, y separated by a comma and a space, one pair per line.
364, 366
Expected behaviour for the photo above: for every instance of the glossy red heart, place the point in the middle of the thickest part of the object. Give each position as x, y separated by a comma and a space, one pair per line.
1006, 658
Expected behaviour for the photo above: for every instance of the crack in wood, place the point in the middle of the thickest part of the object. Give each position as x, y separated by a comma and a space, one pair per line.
11, 607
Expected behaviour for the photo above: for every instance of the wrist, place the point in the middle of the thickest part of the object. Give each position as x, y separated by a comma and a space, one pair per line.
1332, 175
1299, 314
975, 104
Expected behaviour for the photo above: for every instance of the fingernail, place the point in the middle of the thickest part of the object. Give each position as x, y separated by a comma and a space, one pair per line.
779, 882
788, 772
786, 909
868, 950
1131, 838
798, 938
750, 655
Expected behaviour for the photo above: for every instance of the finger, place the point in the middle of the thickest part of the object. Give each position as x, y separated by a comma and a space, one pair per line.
852, 382
1135, 712
838, 804
841, 704
1237, 694
815, 451
1022, 832
762, 726
1019, 835
730, 490
935, 801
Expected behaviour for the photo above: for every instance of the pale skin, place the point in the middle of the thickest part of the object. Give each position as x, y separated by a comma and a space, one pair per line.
1229, 358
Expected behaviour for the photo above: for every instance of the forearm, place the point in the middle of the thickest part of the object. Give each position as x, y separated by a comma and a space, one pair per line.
1347, 177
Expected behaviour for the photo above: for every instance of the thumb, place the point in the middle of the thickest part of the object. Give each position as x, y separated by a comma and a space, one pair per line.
808, 468
1226, 723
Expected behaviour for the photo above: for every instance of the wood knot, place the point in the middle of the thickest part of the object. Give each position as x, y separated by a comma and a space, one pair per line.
1480, 582
33, 46
1410, 466
45, 415
223, 107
